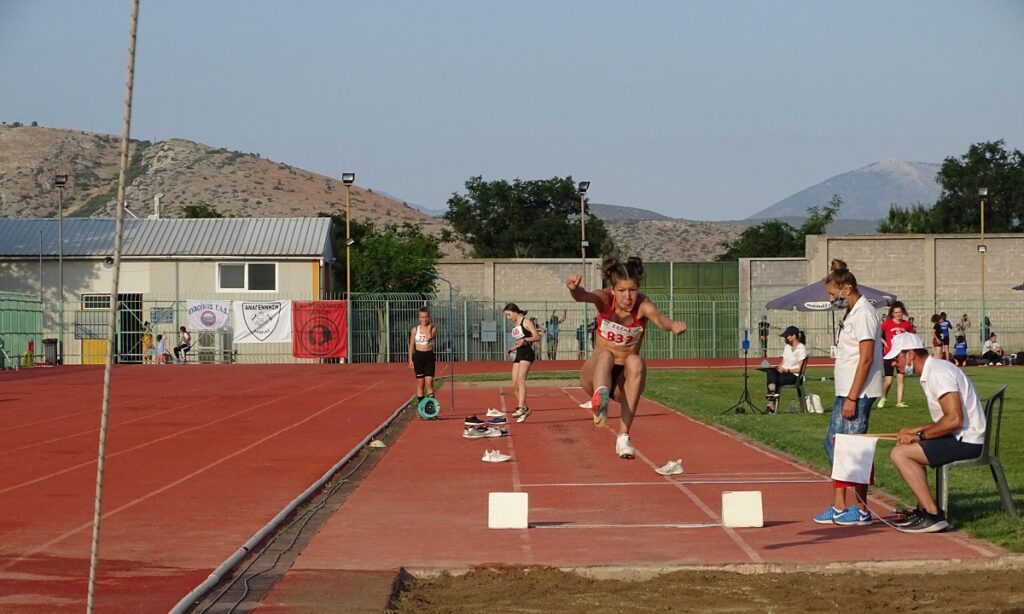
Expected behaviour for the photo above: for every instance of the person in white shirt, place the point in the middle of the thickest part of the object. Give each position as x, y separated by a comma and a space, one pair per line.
858, 382
956, 432
992, 351
787, 372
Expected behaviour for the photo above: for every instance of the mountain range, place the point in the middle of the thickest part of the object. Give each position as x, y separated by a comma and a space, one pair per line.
246, 184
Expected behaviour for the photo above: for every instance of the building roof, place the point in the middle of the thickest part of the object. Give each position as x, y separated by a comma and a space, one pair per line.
183, 238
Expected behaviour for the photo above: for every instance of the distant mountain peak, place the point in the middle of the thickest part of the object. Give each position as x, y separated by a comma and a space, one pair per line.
867, 192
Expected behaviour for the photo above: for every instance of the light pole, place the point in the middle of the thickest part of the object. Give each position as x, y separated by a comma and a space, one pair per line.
59, 181
582, 189
348, 179
982, 197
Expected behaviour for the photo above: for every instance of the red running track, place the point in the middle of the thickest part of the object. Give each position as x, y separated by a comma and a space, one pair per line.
425, 503
198, 459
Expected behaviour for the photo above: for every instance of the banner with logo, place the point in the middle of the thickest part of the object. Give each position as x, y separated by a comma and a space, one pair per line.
262, 321
320, 329
207, 315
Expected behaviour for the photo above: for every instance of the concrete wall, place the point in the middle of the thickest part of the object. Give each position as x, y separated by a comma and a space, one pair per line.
930, 273
503, 280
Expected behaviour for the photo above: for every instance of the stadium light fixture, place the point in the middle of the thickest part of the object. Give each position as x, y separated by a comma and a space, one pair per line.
348, 179
982, 248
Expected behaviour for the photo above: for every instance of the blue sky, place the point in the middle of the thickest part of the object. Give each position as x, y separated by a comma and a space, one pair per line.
701, 110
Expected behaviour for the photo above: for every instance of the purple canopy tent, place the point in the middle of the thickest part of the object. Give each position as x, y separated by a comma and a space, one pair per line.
815, 298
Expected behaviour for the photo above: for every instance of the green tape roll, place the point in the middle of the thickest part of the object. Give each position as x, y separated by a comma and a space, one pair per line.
428, 408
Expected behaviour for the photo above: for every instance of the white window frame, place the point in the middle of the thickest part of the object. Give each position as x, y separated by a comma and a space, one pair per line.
96, 295
245, 278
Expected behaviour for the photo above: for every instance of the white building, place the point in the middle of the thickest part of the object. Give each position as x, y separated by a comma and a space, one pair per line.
164, 263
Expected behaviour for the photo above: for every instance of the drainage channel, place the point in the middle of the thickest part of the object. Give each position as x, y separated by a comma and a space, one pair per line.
248, 582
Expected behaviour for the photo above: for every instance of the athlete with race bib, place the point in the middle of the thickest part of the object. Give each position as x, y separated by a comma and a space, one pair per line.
615, 366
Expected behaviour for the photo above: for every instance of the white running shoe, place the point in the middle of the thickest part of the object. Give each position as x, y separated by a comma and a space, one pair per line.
673, 467
494, 413
623, 447
495, 456
587, 405
518, 412
474, 432
494, 432
523, 415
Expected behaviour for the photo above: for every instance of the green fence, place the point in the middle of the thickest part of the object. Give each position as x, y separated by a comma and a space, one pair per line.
473, 330
21, 324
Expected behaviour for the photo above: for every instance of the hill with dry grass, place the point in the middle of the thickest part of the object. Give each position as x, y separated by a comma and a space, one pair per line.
245, 184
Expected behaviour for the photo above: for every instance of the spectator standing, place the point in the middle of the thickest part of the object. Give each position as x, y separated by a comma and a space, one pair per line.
422, 359
894, 325
161, 350
762, 332
554, 324
147, 343
858, 382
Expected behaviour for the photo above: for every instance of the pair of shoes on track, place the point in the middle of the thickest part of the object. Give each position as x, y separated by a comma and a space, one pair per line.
479, 432
473, 421
495, 456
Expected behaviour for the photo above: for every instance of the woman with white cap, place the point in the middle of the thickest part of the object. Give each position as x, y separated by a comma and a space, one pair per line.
787, 372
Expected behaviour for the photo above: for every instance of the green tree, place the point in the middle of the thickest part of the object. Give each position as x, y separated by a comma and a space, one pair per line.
537, 219
202, 210
395, 259
777, 239
985, 165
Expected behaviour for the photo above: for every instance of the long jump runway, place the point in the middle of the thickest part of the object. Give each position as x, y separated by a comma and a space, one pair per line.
198, 459
425, 504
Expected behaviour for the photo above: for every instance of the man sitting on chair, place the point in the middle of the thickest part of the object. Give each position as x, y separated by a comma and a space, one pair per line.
957, 430
184, 345
787, 372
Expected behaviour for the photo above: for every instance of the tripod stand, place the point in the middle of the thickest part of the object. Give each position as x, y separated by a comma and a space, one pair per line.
740, 407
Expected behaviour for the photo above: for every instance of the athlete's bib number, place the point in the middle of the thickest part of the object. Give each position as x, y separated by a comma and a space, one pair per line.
618, 334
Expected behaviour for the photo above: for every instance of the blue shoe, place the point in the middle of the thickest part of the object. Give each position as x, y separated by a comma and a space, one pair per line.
853, 517
827, 516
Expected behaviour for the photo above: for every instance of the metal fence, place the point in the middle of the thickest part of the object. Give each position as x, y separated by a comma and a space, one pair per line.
468, 330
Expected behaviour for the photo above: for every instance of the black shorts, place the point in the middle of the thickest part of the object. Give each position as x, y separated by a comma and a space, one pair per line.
947, 449
525, 353
887, 366
423, 363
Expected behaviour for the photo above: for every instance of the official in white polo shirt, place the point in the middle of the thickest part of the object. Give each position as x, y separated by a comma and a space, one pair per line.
956, 432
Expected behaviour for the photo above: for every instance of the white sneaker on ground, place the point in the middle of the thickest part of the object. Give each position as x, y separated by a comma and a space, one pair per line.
881, 403
523, 415
673, 467
494, 413
495, 456
623, 447
587, 405
495, 432
518, 412
474, 432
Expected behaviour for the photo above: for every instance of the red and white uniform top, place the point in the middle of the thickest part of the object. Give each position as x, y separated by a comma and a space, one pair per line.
891, 328
624, 335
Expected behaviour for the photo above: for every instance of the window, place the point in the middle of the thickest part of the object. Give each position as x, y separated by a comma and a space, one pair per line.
247, 277
95, 301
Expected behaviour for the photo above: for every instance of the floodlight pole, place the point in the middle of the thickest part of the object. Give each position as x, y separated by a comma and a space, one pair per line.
451, 323
582, 189
59, 181
982, 196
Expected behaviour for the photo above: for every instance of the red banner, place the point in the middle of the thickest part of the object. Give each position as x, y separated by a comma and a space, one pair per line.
319, 329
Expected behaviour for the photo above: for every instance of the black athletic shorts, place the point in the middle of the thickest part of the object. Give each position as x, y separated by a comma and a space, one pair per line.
943, 450
423, 363
887, 367
525, 353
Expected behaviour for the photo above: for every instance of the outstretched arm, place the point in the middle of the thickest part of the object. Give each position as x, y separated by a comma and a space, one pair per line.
581, 295
649, 311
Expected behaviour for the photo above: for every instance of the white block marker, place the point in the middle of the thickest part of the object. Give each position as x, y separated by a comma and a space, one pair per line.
508, 510
742, 509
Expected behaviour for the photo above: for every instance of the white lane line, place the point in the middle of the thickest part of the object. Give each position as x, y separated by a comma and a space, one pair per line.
670, 483
691, 525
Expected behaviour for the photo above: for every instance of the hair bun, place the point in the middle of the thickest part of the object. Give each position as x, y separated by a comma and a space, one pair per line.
838, 265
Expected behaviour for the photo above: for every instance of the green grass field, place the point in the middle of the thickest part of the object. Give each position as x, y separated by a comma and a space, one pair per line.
974, 501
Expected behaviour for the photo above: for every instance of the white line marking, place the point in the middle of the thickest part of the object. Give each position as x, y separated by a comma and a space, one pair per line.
671, 482
692, 525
